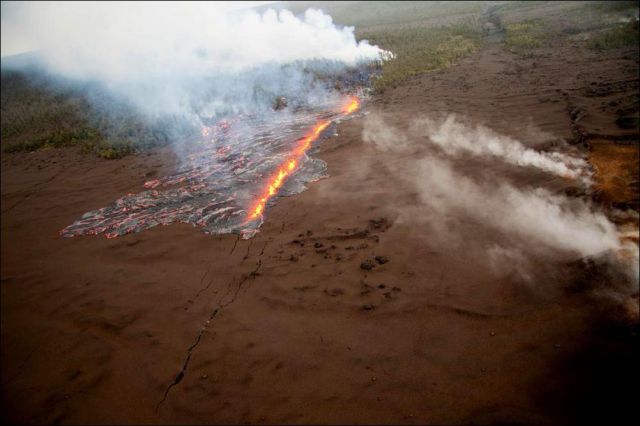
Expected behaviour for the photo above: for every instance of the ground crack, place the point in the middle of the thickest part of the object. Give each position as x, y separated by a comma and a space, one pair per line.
216, 310
185, 364
32, 191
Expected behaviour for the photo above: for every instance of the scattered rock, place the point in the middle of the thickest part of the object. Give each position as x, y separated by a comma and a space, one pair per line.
576, 114
363, 246
280, 103
379, 224
334, 292
381, 259
367, 265
628, 122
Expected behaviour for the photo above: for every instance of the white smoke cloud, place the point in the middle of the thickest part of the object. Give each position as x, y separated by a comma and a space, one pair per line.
162, 55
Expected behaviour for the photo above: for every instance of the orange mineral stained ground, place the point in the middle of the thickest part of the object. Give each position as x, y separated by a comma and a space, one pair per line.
291, 164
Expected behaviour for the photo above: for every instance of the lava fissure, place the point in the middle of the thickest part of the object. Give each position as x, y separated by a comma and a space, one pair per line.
292, 163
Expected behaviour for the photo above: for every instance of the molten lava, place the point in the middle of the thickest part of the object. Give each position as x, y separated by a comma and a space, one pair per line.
352, 106
289, 167
278, 178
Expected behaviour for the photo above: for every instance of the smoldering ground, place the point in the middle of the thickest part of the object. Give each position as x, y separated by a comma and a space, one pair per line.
524, 212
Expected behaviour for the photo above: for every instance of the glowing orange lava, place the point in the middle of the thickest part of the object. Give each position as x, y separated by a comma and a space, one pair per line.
352, 106
289, 166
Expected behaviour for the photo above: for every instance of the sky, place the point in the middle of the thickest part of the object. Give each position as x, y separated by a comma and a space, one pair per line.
18, 28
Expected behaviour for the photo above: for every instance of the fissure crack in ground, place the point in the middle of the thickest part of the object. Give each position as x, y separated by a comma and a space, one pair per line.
219, 306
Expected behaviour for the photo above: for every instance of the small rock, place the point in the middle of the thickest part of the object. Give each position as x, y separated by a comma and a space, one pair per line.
381, 286
204, 376
394, 288
368, 307
381, 259
334, 292
293, 258
338, 257
556, 346
379, 398
317, 244
367, 265
309, 233
493, 333
349, 248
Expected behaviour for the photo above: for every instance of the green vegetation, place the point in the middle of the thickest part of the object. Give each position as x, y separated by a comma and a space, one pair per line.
621, 35
423, 36
531, 25
420, 49
612, 6
39, 113
523, 37
385, 13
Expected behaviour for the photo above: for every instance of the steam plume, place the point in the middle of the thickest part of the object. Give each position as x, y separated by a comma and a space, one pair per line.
535, 222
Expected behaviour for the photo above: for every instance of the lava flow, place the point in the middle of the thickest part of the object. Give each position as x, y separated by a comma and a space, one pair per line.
290, 166
224, 174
